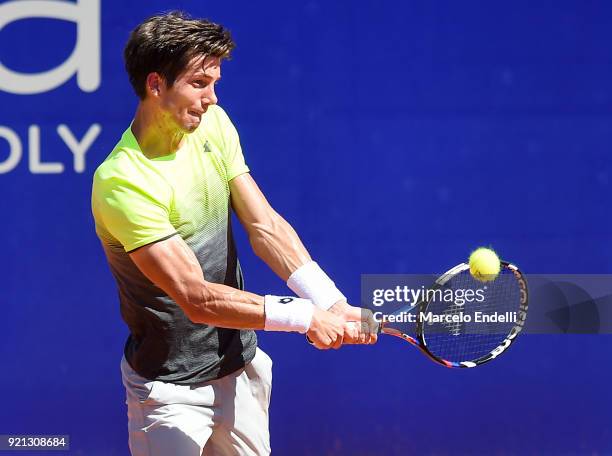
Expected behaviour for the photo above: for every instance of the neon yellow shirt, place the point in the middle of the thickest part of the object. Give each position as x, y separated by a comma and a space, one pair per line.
137, 201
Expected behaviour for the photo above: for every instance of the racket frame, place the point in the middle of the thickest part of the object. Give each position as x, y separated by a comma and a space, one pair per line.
420, 341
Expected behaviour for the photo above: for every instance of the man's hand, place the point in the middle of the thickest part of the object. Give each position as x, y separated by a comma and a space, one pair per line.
326, 330
360, 326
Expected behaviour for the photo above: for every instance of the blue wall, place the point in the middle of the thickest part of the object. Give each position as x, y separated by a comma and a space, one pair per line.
395, 137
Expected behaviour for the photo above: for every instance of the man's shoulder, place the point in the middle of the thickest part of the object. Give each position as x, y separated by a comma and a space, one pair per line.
124, 157
118, 163
122, 163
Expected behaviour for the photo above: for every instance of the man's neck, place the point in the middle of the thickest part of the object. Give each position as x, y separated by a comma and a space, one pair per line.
154, 136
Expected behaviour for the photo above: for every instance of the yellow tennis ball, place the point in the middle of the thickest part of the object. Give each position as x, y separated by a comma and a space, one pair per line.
484, 264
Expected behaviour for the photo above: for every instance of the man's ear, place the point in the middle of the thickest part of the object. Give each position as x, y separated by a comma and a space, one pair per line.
154, 84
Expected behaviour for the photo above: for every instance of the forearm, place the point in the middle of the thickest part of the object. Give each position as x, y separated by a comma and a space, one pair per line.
226, 307
278, 245
223, 306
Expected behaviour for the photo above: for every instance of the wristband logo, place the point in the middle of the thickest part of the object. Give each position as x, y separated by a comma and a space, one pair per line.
285, 300
84, 60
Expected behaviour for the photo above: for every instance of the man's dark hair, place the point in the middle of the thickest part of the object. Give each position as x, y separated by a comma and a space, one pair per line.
166, 43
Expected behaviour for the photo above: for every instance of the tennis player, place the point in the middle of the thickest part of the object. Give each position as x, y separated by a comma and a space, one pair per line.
196, 382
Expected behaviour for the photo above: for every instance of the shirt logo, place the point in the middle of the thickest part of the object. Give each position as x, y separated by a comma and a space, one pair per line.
207, 147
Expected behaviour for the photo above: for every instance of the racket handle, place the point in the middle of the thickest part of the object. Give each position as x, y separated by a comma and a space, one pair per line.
379, 325
349, 323
354, 324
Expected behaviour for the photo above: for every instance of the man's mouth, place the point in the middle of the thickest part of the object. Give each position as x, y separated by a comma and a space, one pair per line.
195, 113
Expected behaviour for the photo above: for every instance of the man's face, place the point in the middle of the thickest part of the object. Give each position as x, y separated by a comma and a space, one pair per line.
192, 93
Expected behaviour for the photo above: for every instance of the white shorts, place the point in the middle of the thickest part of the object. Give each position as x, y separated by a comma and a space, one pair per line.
227, 416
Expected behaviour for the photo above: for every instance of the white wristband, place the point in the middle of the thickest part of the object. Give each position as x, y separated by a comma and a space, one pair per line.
310, 281
286, 313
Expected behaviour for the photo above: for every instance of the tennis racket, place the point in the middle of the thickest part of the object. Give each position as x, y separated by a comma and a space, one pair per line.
441, 330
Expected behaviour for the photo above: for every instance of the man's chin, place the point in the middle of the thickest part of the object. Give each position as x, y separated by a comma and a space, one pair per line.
191, 127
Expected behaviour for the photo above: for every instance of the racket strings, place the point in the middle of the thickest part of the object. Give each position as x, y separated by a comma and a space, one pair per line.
452, 322
474, 333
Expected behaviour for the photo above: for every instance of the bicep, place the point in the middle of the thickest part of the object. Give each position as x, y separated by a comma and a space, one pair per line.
172, 266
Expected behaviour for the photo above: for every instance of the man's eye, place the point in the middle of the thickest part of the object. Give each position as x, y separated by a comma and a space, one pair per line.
201, 83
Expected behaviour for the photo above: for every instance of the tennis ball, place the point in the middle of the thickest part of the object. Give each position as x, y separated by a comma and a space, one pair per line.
484, 264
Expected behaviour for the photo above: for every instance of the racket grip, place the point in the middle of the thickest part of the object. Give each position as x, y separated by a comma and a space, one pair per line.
351, 323
356, 324
347, 343
379, 325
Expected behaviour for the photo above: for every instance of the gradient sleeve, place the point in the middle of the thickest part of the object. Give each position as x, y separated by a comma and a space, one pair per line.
129, 214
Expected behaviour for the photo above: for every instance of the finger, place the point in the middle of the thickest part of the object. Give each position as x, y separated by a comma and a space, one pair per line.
338, 342
318, 346
374, 326
325, 343
373, 339
366, 330
349, 340
330, 342
363, 337
351, 333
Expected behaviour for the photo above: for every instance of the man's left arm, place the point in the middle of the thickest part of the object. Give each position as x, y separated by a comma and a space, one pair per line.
278, 245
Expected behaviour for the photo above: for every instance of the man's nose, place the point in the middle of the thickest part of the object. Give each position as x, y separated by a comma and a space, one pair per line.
210, 97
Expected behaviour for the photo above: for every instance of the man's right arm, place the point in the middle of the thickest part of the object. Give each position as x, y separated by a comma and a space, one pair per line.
172, 266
